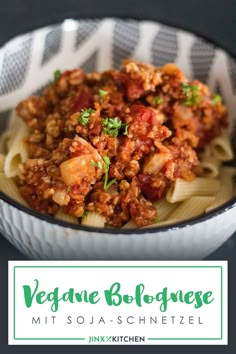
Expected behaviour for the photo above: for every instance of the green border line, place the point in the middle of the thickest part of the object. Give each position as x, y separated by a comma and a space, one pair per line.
150, 339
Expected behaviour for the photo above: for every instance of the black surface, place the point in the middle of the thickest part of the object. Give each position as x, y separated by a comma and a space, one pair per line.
216, 20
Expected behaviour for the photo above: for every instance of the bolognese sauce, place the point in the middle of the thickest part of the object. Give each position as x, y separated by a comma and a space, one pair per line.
114, 142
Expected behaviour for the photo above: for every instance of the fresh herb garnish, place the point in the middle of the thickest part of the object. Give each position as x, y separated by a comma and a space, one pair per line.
216, 99
57, 75
158, 100
102, 93
126, 126
107, 183
85, 214
69, 189
96, 164
85, 115
111, 126
191, 93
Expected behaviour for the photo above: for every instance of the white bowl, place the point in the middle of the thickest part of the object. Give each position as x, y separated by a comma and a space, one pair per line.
27, 64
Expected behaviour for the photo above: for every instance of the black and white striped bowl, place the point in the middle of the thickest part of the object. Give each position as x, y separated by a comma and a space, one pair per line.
27, 64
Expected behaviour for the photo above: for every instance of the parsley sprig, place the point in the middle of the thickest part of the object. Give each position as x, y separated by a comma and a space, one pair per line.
216, 99
96, 164
111, 126
85, 115
57, 75
102, 93
107, 163
191, 93
158, 100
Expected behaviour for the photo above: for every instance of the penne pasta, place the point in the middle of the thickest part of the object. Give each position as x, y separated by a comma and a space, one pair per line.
8, 186
209, 164
130, 225
5, 141
226, 191
18, 151
2, 161
221, 147
93, 219
60, 215
163, 223
192, 207
200, 186
164, 209
210, 168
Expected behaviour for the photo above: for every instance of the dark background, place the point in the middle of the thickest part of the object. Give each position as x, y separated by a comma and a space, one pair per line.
215, 20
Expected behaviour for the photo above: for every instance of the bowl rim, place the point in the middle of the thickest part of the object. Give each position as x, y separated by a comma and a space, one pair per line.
149, 230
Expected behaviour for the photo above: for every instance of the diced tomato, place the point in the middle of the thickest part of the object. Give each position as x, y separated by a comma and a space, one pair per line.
144, 141
84, 100
134, 90
145, 184
142, 114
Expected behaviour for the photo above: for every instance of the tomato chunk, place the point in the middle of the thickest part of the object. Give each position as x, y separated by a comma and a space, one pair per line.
84, 100
143, 114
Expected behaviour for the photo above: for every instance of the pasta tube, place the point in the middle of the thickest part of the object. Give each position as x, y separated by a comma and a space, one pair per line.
200, 186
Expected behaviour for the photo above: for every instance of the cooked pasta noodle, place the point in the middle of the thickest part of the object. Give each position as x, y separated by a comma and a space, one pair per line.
221, 147
200, 186
163, 223
210, 166
18, 151
225, 192
2, 160
191, 207
129, 225
60, 215
5, 141
8, 187
164, 209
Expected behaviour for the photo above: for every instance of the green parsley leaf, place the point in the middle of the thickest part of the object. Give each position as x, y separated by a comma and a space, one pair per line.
158, 100
103, 93
107, 163
126, 126
216, 99
57, 75
85, 115
111, 126
191, 93
110, 183
85, 214
96, 164
185, 88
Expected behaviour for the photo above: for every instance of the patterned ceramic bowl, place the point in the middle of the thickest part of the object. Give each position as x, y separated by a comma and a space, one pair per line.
26, 66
